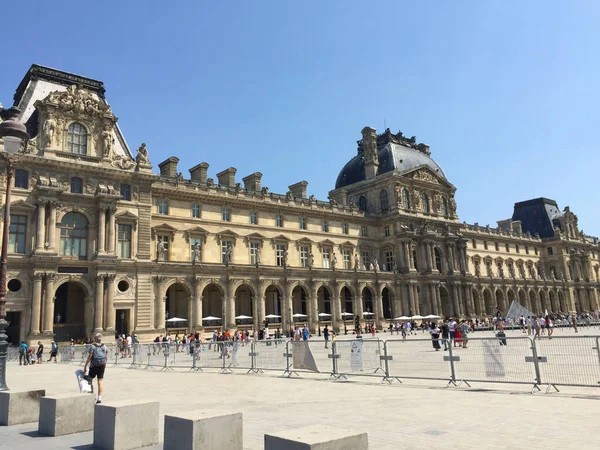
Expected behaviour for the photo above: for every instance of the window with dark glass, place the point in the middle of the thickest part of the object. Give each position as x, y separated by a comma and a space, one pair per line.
345, 228
76, 185
405, 200
383, 200
124, 241
444, 207
362, 203
438, 259
253, 218
195, 211
278, 220
77, 139
325, 226
21, 179
302, 221
163, 207
225, 214
17, 234
425, 201
125, 192
73, 235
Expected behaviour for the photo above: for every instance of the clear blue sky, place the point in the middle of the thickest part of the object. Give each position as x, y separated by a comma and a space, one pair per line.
505, 92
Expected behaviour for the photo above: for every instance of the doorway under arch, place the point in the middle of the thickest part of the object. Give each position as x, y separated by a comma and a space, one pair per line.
273, 304
367, 303
553, 303
70, 321
244, 301
324, 301
488, 302
500, 301
447, 307
212, 304
300, 302
346, 298
387, 300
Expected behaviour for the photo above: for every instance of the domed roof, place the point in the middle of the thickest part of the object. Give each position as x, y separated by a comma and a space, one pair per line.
395, 153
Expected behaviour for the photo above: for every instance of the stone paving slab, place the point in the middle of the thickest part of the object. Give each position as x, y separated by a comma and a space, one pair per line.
506, 416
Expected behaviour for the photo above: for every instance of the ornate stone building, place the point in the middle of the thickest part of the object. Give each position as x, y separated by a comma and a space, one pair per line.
98, 242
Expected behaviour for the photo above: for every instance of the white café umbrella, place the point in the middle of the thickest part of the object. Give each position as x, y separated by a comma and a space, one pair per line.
242, 317
402, 318
177, 319
346, 314
368, 314
417, 317
272, 316
431, 316
298, 315
324, 315
211, 318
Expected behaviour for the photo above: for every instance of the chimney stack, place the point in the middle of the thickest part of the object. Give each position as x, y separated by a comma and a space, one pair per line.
252, 182
299, 189
227, 177
168, 168
199, 173
370, 152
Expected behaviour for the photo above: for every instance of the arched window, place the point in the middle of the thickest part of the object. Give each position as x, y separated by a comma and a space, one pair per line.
383, 200
405, 200
425, 201
444, 207
438, 259
77, 139
73, 235
362, 203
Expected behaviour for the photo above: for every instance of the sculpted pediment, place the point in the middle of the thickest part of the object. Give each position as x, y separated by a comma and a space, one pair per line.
425, 174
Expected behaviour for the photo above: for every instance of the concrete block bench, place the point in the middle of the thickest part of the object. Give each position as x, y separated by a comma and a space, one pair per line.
17, 407
317, 437
125, 425
66, 414
210, 430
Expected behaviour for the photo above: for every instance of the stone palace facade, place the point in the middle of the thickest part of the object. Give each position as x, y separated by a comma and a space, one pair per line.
98, 242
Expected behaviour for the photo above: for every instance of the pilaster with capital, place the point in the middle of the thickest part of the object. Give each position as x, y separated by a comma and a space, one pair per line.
40, 239
336, 307
159, 302
229, 306
48, 327
287, 321
52, 226
313, 310
99, 302
112, 210
197, 309
378, 307
101, 229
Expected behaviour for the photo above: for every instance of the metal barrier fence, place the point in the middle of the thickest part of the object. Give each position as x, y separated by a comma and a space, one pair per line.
549, 361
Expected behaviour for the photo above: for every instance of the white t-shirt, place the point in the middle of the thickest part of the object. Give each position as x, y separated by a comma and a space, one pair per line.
128, 340
452, 325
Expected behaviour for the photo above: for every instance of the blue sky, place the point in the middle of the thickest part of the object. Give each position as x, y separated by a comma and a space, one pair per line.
504, 92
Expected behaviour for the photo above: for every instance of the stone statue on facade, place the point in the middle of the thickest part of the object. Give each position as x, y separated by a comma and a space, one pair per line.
333, 261
228, 255
376, 264
356, 262
284, 258
49, 129
107, 141
311, 260
160, 250
257, 256
196, 253
142, 155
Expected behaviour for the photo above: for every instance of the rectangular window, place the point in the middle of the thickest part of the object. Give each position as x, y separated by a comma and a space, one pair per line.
325, 226
507, 248
550, 252
485, 245
535, 250
386, 231
124, 241
474, 242
76, 185
279, 251
364, 231
21, 179
225, 215
346, 258
253, 218
278, 220
326, 258
196, 243
254, 252
17, 232
345, 228
163, 207
162, 247
517, 248
302, 222
195, 211
389, 260
125, 192
527, 249
304, 252
497, 246
366, 259
225, 246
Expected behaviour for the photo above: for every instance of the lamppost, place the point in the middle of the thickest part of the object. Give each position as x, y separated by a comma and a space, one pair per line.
166, 323
14, 134
345, 327
319, 321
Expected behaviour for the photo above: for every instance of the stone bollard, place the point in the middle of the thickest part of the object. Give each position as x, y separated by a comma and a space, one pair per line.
204, 430
66, 414
17, 407
125, 425
317, 437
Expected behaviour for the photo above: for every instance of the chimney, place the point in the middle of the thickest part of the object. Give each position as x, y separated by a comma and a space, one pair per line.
199, 173
370, 152
227, 177
168, 168
252, 182
299, 189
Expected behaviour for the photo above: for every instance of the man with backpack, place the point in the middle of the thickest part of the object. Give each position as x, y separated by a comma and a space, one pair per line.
97, 362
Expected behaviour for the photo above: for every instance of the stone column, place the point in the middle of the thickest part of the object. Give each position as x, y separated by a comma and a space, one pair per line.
410, 257
197, 309
109, 312
286, 315
593, 299
456, 300
111, 229
159, 303
41, 231
259, 320
36, 306
48, 327
98, 303
336, 310
88, 315
52, 227
313, 310
427, 251
101, 229
411, 299
230, 307
378, 307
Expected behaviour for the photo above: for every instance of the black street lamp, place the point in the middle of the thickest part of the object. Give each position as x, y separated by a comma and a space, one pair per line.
166, 323
14, 134
319, 322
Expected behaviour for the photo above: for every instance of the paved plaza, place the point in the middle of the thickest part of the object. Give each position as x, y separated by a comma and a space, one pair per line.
423, 412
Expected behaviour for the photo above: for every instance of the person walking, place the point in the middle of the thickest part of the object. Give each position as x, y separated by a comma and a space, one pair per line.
305, 333
23, 359
326, 336
53, 351
97, 362
40, 352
